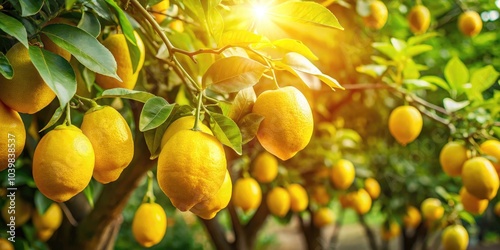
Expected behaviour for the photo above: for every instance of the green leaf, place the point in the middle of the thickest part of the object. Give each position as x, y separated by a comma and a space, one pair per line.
232, 74
483, 78
296, 64
372, 70
456, 74
386, 49
70, 3
304, 12
154, 113
242, 104
128, 31
417, 49
55, 117
56, 72
436, 81
90, 23
443, 193
101, 9
416, 84
30, 7
421, 38
89, 194
13, 27
42, 203
249, 125
84, 47
240, 38
451, 106
153, 140
5, 67
292, 45
226, 131
216, 23
136, 95
466, 216
399, 45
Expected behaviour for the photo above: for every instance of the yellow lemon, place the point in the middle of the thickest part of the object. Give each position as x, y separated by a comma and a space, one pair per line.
323, 217
361, 201
278, 201
265, 167
378, 15
26, 92
149, 224
177, 25
452, 158
496, 209
472, 204
208, 209
191, 168
185, 122
432, 209
247, 194
470, 23
159, 10
117, 45
480, 178
419, 19
320, 195
298, 197
412, 217
393, 230
405, 124
455, 237
288, 122
342, 174
5, 244
112, 141
14, 136
50, 220
20, 211
63, 163
372, 187
492, 148
346, 200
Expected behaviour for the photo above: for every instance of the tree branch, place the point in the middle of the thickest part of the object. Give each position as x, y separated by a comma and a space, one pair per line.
369, 233
216, 232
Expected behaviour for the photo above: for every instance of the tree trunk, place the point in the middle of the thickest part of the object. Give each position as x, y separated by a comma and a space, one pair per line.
312, 234
369, 233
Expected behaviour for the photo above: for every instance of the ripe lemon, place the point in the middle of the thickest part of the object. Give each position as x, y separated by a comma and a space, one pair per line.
298, 197
432, 209
323, 217
149, 224
342, 174
112, 141
177, 25
5, 244
278, 201
346, 200
288, 122
117, 45
405, 124
320, 195
63, 163
455, 237
208, 209
452, 158
185, 122
47, 223
191, 168
21, 210
14, 136
480, 178
470, 23
159, 10
26, 92
378, 15
472, 204
492, 148
496, 209
247, 194
265, 167
372, 187
412, 217
419, 19
361, 201
393, 230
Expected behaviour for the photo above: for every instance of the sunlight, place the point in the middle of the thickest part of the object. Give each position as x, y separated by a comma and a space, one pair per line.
260, 11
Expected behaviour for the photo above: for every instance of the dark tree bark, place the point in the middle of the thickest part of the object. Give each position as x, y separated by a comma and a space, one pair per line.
369, 233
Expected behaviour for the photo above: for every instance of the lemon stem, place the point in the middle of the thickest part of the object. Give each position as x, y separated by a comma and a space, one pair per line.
149, 193
92, 103
68, 114
198, 111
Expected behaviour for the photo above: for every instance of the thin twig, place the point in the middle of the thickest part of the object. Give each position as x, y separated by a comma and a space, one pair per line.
68, 214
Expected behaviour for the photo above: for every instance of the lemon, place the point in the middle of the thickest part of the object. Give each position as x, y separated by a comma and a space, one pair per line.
265, 167
492, 148
185, 122
419, 19
298, 197
159, 10
26, 92
346, 200
412, 217
342, 174
480, 178
432, 209
320, 195
472, 204
323, 217
372, 187
496, 209
117, 45
405, 124
361, 201
208, 209
177, 25
378, 15
149, 224
191, 168
247, 194
288, 122
63, 163
46, 224
452, 158
21, 211
393, 230
14, 136
278, 201
470, 23
110, 135
5, 244
455, 237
